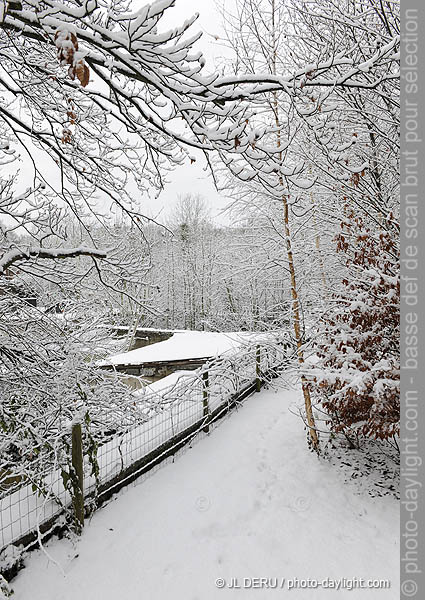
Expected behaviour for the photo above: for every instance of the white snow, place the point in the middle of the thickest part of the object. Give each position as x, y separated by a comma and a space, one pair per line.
185, 345
247, 501
166, 383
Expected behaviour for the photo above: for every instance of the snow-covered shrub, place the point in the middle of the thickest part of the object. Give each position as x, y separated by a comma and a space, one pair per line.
357, 377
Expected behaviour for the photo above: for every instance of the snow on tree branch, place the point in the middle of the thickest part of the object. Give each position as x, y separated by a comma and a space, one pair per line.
17, 255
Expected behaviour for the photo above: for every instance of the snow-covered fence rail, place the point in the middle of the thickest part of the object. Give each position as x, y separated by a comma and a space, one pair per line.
168, 418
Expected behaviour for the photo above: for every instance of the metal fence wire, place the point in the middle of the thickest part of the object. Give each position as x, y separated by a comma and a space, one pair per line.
38, 493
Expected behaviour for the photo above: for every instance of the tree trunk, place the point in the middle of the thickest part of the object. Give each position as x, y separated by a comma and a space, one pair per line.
294, 293
297, 328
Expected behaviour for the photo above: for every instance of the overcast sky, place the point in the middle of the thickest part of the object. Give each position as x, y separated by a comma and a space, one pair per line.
192, 178
187, 178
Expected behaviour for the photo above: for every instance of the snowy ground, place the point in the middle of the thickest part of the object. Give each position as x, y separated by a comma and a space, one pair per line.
247, 501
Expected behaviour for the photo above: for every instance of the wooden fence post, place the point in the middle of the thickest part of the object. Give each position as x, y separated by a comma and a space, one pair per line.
205, 404
78, 475
258, 369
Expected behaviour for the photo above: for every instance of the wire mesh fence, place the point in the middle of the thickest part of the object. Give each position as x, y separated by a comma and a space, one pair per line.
39, 493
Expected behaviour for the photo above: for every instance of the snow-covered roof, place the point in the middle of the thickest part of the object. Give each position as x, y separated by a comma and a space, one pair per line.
145, 329
184, 345
166, 383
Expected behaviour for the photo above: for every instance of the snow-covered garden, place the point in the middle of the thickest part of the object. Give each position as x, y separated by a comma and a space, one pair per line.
246, 502
195, 402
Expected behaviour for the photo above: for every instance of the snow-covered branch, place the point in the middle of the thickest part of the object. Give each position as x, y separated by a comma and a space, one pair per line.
34, 253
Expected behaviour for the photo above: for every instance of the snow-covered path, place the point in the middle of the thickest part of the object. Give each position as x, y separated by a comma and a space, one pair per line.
247, 501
